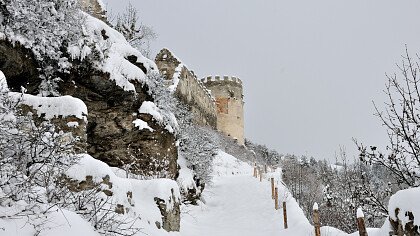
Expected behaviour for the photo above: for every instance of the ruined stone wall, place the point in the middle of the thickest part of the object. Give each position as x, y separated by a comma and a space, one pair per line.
189, 89
193, 92
94, 8
167, 63
229, 102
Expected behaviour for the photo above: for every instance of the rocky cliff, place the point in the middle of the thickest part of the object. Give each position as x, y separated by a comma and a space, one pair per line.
111, 135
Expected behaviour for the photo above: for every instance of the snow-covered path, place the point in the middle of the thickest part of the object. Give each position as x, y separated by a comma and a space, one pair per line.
239, 204
236, 205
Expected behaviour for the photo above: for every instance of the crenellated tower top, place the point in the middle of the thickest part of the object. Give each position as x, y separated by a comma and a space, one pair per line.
228, 92
225, 78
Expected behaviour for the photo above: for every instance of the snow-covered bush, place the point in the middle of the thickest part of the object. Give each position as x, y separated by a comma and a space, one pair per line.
197, 144
62, 38
47, 27
137, 34
263, 154
35, 159
339, 189
404, 212
32, 158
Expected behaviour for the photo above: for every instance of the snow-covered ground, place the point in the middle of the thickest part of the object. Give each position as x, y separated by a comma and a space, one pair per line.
239, 204
236, 204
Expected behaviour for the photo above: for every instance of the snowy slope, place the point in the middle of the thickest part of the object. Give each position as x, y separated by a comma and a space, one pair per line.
239, 204
59, 222
114, 50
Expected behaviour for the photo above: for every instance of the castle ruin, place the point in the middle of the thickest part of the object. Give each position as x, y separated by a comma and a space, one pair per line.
95, 8
215, 101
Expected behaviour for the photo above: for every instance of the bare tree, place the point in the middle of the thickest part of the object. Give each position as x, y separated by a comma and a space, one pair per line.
401, 118
135, 32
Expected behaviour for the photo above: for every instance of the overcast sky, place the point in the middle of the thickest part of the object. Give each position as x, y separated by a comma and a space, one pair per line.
310, 68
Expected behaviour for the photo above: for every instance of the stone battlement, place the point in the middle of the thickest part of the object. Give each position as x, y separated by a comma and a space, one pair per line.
222, 78
201, 85
187, 87
216, 101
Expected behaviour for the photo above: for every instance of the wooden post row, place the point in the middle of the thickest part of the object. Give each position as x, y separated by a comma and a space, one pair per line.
272, 187
284, 215
317, 223
276, 198
361, 222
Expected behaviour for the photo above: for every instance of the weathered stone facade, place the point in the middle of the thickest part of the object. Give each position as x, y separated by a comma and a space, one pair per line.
110, 133
189, 88
215, 101
94, 8
230, 106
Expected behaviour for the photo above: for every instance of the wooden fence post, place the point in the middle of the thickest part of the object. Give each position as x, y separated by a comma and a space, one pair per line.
361, 222
261, 175
255, 170
265, 168
276, 198
272, 188
284, 215
317, 224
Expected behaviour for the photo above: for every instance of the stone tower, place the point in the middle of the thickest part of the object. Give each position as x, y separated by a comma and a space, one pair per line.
215, 101
228, 93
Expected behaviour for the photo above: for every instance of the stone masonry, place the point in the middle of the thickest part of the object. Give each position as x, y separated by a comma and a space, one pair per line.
215, 101
94, 8
188, 88
230, 106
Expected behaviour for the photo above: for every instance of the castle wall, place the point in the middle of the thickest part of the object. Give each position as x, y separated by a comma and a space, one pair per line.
229, 101
94, 8
188, 88
167, 63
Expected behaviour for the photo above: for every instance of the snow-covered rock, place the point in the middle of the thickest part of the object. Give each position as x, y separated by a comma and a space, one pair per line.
54, 107
142, 125
404, 210
125, 64
140, 198
148, 107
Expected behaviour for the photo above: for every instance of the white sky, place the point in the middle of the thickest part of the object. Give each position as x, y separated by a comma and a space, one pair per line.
310, 68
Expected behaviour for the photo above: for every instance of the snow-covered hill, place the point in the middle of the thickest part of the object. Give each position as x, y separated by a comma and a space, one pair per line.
237, 204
